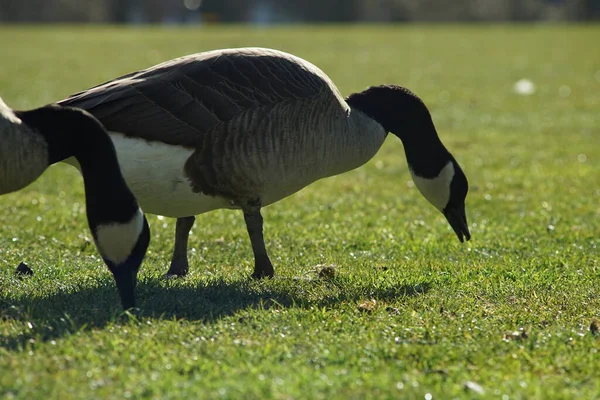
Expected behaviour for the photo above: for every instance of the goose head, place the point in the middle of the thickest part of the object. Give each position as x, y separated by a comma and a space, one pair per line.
123, 246
435, 172
446, 191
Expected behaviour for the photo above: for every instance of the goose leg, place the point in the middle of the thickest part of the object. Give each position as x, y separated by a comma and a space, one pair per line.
254, 224
179, 260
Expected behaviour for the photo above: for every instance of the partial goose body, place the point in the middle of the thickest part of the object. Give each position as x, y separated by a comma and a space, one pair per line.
32, 140
244, 128
21, 164
155, 171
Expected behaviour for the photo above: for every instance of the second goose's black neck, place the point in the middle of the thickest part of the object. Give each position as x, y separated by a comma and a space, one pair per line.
72, 132
403, 113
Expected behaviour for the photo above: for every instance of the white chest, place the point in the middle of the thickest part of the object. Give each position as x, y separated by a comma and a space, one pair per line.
154, 172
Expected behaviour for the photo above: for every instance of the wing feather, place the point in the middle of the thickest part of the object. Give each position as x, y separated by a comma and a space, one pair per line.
181, 100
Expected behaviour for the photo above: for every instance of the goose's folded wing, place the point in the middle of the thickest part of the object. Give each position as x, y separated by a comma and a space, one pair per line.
179, 101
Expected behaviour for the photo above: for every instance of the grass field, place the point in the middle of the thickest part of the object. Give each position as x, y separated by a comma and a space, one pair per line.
410, 313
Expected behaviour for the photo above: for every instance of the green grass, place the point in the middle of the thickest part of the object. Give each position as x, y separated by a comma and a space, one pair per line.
441, 310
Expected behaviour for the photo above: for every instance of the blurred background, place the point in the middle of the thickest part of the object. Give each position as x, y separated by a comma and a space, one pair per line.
264, 12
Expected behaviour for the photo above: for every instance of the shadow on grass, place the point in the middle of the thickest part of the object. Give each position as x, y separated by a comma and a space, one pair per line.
62, 314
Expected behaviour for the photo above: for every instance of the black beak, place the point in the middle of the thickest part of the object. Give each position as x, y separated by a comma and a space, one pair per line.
126, 279
458, 221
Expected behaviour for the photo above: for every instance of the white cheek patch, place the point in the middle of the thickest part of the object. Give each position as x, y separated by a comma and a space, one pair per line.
436, 190
116, 241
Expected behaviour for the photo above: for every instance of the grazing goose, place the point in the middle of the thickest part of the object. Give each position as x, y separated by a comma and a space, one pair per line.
32, 140
244, 128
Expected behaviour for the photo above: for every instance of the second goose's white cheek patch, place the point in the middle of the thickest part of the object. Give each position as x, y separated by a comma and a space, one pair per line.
116, 241
436, 190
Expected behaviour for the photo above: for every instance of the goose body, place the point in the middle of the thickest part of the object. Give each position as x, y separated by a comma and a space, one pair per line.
244, 128
32, 140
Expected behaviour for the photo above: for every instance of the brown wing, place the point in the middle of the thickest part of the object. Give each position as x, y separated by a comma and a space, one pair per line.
179, 101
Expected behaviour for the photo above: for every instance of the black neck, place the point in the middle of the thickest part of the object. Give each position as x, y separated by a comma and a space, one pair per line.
74, 133
403, 113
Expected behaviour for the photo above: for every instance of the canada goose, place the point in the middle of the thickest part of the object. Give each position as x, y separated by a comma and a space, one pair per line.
32, 140
243, 128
